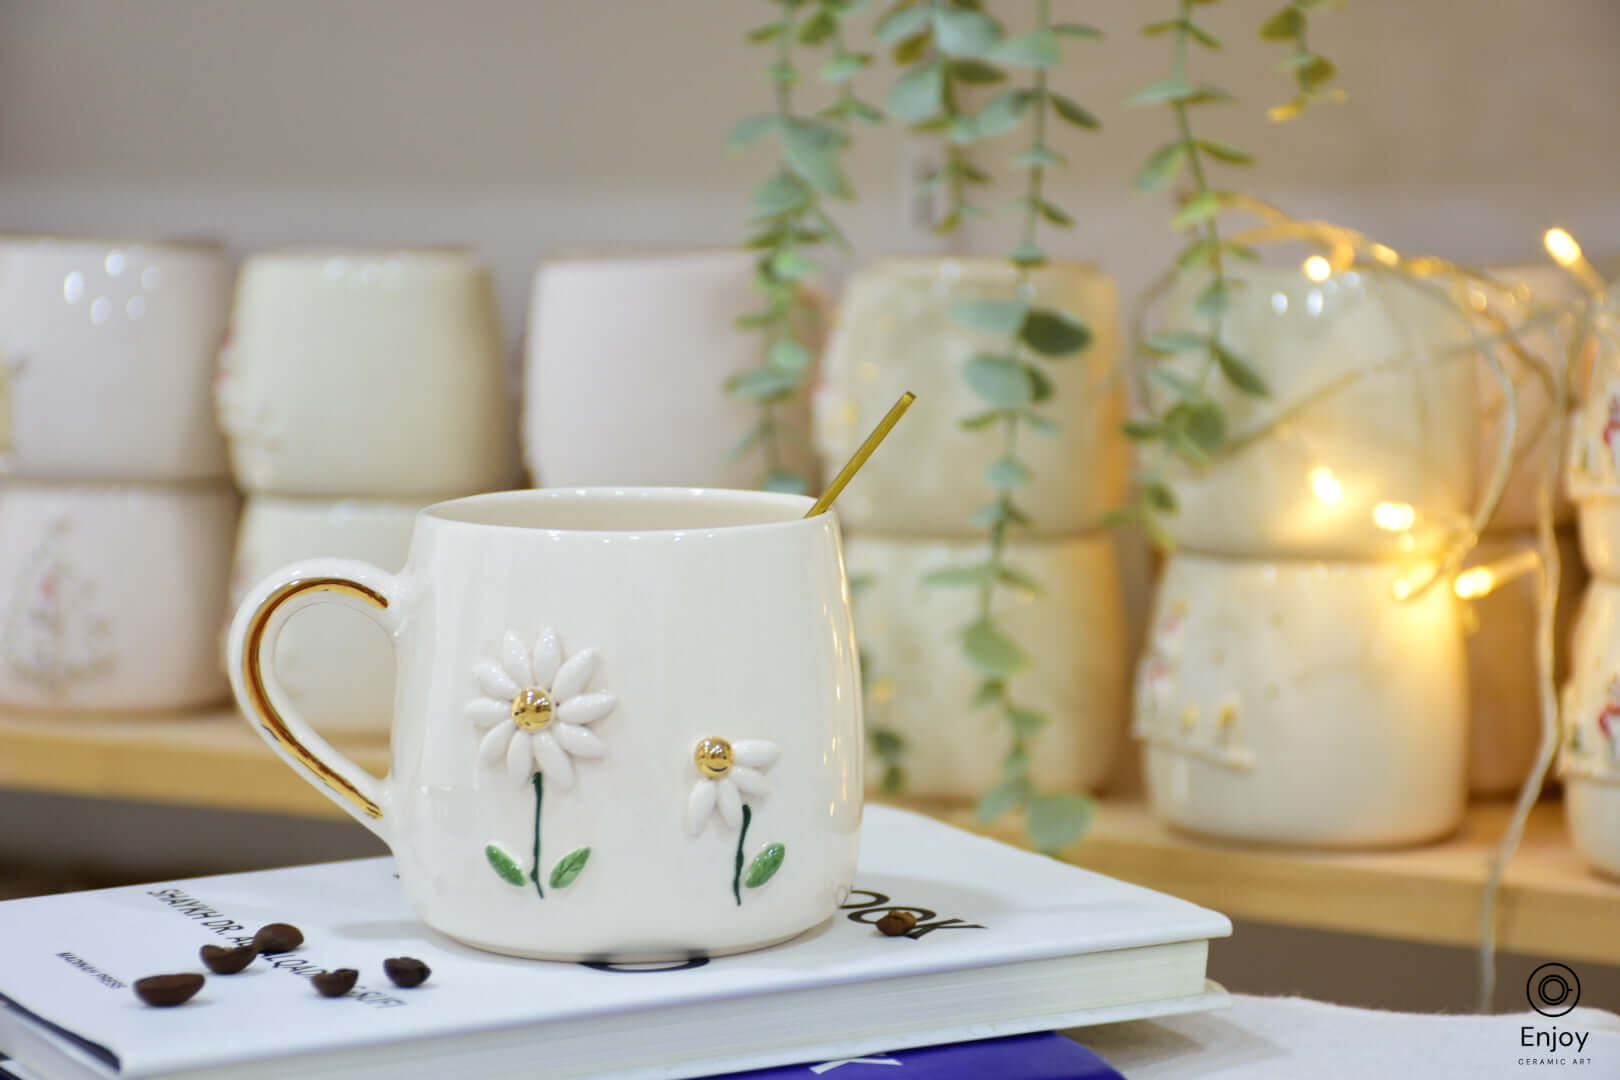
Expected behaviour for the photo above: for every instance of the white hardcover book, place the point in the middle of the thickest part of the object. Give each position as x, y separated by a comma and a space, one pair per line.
1005, 942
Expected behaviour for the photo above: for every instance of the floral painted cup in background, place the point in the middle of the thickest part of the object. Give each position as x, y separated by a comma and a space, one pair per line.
603, 696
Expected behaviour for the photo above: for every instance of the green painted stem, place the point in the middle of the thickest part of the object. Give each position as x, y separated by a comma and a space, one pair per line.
539, 794
742, 837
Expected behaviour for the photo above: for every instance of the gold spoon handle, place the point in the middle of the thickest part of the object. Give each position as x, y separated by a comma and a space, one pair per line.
864, 451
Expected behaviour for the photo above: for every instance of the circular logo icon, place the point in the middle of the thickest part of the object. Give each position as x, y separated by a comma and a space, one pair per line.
1553, 990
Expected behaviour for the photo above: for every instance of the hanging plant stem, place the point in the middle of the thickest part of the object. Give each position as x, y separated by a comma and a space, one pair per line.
789, 220
1311, 71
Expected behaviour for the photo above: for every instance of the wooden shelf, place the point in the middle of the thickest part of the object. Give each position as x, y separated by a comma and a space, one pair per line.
1552, 906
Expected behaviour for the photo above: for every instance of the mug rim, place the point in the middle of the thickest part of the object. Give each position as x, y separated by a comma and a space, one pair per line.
201, 244
444, 512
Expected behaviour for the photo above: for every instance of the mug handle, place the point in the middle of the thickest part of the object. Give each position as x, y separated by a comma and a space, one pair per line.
250, 655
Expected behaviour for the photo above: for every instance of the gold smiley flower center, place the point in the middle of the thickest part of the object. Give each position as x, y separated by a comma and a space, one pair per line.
714, 757
531, 710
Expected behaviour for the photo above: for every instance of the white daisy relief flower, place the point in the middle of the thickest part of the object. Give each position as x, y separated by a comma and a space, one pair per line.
727, 772
536, 710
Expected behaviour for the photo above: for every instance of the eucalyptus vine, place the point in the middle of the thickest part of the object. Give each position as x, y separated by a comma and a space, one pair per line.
1312, 71
945, 47
789, 216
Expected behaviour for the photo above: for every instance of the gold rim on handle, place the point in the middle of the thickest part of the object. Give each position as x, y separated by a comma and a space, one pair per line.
266, 714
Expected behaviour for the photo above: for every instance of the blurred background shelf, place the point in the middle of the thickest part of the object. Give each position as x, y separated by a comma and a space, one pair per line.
1552, 905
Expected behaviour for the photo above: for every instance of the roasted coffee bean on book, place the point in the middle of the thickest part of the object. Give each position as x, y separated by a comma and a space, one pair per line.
896, 923
223, 961
278, 937
335, 983
166, 990
406, 971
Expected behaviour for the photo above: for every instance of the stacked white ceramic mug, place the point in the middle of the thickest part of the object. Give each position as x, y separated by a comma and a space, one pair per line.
911, 511
1300, 685
116, 509
357, 387
627, 359
1590, 763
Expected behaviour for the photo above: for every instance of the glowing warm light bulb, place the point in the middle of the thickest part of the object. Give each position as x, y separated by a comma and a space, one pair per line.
1476, 582
1385, 254
1562, 247
1394, 516
1402, 588
1325, 486
1318, 268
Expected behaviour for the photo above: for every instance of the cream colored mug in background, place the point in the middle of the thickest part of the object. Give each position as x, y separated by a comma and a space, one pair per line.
627, 722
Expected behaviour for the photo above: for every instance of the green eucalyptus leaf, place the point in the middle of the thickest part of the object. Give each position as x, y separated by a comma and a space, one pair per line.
1003, 112
1143, 431
886, 743
1076, 30
1041, 425
980, 421
844, 66
1027, 723
1160, 168
1198, 252
748, 441
1208, 95
1054, 333
1174, 381
811, 150
569, 867
765, 33
900, 24
1073, 113
962, 130
1229, 154
1057, 822
1000, 380
1038, 157
787, 482
989, 692
976, 72
1239, 373
503, 864
1175, 88
762, 384
764, 866
867, 114
1037, 50
894, 780
781, 194
1197, 210
1000, 317
918, 94
818, 28
973, 575
789, 356
960, 32
792, 266
1007, 474
749, 129
1174, 341
1042, 382
1213, 302
1285, 25
782, 74
1202, 36
1203, 422
1010, 575
991, 651
1318, 73
1160, 497
1027, 256
911, 50
1006, 796
1054, 213
1164, 27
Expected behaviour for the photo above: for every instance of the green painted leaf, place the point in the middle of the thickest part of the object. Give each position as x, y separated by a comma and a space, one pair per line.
918, 94
789, 356
999, 317
1003, 112
960, 32
569, 867
900, 24
974, 575
976, 72
1285, 25
1007, 474
1160, 168
1054, 333
1239, 373
1220, 151
1057, 822
1197, 210
1071, 111
764, 866
1000, 380
990, 651
503, 864
1038, 50
1005, 796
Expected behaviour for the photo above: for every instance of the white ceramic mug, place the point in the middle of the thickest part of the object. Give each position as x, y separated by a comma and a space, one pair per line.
107, 359
919, 684
336, 666
627, 359
895, 332
1590, 761
1364, 447
627, 722
111, 596
1301, 703
378, 372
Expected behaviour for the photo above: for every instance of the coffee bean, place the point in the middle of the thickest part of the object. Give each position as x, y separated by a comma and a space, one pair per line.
278, 937
407, 971
165, 990
223, 961
335, 983
896, 923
